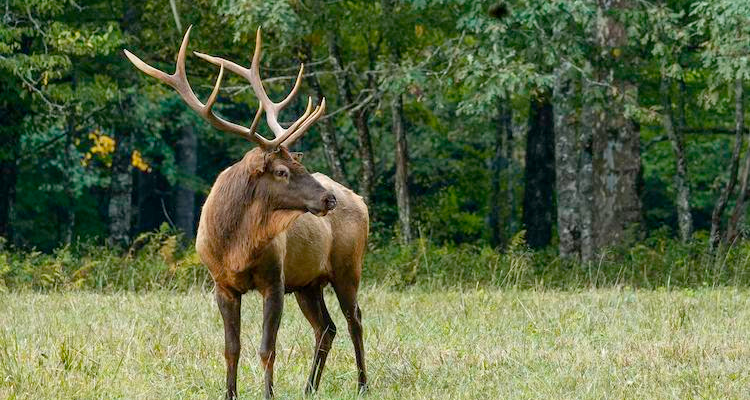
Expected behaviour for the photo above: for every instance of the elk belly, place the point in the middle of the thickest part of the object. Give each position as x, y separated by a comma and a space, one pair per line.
308, 244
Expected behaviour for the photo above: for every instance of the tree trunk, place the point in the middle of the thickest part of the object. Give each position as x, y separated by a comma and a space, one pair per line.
327, 131
120, 189
330, 146
120, 207
539, 173
684, 217
591, 122
721, 203
8, 176
740, 206
616, 163
402, 168
367, 169
566, 162
359, 118
499, 164
12, 110
510, 176
187, 162
69, 210
616, 159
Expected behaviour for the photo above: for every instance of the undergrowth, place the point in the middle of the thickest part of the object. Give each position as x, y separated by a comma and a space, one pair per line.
157, 260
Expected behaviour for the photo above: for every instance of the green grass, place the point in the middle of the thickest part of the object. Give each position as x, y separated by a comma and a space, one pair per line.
603, 343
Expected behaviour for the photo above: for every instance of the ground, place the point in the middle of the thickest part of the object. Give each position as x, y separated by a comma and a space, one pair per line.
479, 343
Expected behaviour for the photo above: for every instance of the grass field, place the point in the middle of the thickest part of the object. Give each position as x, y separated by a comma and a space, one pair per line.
433, 345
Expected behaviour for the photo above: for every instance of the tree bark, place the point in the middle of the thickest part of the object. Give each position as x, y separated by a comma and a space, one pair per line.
566, 162
498, 165
12, 110
510, 177
616, 163
402, 169
8, 177
120, 207
684, 216
69, 211
539, 172
187, 162
359, 119
328, 133
367, 170
721, 203
615, 152
592, 121
740, 206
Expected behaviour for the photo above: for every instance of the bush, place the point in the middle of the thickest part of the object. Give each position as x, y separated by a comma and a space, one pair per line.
157, 261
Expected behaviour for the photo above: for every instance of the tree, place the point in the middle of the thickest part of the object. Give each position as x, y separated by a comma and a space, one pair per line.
401, 159
615, 141
566, 123
725, 23
540, 172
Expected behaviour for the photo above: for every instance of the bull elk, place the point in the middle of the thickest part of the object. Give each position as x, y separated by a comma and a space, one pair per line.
270, 225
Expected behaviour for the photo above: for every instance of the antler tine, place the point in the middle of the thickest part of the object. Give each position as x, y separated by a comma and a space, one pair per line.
178, 81
319, 111
292, 128
293, 93
271, 108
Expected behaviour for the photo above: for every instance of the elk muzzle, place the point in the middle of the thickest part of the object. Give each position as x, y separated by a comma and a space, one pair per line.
329, 201
324, 205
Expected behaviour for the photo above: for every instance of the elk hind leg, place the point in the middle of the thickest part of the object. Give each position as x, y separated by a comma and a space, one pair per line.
347, 296
313, 306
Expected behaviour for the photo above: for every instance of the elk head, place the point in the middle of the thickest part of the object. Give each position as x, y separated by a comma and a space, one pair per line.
278, 175
283, 183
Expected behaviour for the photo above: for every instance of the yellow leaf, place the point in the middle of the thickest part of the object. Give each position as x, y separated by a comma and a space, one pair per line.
137, 161
419, 30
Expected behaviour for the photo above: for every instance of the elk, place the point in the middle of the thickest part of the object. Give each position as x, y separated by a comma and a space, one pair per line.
269, 225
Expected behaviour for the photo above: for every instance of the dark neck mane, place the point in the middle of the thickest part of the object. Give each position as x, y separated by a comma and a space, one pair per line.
241, 217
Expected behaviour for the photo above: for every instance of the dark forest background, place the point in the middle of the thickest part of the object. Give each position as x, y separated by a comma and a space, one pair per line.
576, 126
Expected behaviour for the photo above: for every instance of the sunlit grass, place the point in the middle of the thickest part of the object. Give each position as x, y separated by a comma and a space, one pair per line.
477, 344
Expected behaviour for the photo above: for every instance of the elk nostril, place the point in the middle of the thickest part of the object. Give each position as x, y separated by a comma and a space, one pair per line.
330, 202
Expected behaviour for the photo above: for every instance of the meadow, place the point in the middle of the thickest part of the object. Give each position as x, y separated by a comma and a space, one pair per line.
421, 344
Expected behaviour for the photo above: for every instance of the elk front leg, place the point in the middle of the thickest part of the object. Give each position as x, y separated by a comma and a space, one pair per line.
229, 303
273, 304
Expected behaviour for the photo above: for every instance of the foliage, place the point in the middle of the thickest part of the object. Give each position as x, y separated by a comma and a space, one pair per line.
157, 260
66, 90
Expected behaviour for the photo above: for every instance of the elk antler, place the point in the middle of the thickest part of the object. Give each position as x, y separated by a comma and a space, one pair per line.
287, 136
179, 82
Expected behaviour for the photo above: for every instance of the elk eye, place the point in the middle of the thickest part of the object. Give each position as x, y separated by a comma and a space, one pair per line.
282, 173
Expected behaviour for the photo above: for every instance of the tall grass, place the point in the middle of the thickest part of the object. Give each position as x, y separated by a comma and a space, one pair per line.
468, 344
158, 261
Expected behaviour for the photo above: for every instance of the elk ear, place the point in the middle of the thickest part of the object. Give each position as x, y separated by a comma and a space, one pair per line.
255, 161
297, 156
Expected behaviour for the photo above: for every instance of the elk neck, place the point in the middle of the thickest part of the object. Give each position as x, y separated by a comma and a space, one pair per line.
239, 220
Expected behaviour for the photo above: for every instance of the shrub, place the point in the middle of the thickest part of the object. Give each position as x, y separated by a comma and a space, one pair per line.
158, 261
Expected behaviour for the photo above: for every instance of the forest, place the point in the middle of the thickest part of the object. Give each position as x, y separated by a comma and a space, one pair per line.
557, 194
573, 130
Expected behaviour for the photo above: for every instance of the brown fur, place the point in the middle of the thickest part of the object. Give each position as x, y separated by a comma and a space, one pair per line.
237, 222
249, 240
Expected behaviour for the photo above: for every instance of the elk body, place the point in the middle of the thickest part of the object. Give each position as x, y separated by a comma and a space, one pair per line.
269, 225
